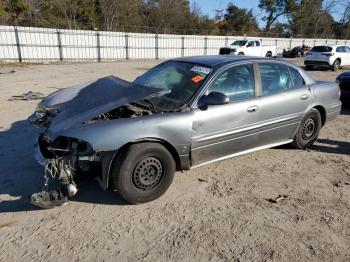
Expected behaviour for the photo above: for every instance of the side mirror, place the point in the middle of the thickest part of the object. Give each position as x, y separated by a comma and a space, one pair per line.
212, 99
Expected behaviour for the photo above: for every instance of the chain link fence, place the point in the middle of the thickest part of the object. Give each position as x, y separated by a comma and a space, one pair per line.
31, 44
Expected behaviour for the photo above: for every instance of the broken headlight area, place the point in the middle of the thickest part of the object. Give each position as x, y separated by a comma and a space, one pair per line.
41, 117
62, 146
127, 111
67, 158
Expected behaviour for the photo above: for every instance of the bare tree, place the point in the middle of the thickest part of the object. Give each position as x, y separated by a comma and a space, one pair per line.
109, 10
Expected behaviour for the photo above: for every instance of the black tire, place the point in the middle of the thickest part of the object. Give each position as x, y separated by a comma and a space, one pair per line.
143, 172
309, 130
268, 54
336, 65
240, 53
308, 67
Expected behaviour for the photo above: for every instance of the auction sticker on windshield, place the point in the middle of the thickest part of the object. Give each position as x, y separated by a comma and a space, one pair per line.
197, 79
201, 69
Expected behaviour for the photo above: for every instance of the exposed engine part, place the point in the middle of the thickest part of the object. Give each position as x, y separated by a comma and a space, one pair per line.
126, 111
63, 169
72, 190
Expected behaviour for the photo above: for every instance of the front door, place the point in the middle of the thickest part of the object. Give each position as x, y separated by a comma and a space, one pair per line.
223, 130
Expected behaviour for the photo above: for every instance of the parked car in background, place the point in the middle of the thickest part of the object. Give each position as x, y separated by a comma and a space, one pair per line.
344, 83
250, 47
298, 51
331, 56
181, 114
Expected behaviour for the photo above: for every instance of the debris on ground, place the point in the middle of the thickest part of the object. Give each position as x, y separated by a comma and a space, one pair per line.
278, 199
28, 96
49, 199
340, 183
8, 72
203, 180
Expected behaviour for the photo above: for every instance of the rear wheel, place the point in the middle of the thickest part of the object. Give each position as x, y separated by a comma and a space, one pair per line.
308, 67
268, 54
143, 173
336, 65
309, 130
240, 53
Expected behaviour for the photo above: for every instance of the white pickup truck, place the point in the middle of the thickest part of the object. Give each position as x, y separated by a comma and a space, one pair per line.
250, 47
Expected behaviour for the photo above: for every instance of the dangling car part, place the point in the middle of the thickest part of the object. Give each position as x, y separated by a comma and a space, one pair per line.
181, 114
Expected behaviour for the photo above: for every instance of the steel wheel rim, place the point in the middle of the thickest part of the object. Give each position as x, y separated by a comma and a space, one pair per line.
336, 64
308, 129
148, 173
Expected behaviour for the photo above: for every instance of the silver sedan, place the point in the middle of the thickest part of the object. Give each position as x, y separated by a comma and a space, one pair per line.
181, 114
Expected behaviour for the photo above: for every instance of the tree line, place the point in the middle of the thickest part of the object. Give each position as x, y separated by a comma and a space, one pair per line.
284, 18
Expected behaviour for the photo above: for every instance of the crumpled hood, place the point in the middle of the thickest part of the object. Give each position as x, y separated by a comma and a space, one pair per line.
77, 104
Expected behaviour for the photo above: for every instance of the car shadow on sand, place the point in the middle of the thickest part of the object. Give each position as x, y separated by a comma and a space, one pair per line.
345, 109
332, 146
20, 175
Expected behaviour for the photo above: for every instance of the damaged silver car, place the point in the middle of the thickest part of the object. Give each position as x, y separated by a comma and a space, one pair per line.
181, 114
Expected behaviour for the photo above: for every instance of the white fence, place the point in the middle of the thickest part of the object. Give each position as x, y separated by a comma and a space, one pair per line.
44, 44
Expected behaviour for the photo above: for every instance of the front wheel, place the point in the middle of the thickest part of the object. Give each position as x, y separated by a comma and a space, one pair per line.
240, 53
309, 130
143, 172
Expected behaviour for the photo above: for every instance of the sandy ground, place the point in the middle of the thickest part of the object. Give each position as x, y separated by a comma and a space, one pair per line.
218, 212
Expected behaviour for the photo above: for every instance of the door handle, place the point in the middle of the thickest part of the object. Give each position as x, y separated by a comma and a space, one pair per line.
304, 97
252, 109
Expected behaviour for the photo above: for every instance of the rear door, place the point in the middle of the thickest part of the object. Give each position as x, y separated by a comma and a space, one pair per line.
283, 100
223, 130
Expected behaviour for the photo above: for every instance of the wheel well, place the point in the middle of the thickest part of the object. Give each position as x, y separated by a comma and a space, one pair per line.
166, 144
322, 113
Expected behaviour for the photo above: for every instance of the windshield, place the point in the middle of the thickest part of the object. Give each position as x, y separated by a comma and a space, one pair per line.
239, 42
180, 80
321, 49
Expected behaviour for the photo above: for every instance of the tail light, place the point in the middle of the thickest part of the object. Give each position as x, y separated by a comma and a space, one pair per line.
328, 54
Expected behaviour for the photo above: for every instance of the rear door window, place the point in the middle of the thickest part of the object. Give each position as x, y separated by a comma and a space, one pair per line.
275, 78
340, 49
257, 43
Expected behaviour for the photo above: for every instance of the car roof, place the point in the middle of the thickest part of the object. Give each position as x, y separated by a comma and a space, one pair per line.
215, 60
333, 46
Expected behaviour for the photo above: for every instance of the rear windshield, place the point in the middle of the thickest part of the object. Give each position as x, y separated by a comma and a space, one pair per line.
321, 49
